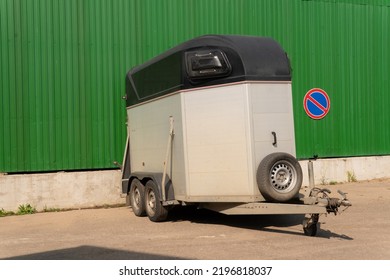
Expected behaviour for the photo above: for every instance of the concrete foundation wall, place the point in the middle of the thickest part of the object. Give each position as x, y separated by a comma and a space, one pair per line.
340, 170
98, 188
61, 190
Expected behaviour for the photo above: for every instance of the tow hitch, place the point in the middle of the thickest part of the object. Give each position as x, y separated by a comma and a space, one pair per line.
321, 197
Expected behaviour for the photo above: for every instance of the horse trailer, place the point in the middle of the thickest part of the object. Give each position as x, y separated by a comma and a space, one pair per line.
210, 123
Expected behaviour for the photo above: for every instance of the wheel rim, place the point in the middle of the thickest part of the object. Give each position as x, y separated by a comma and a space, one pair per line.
151, 202
283, 176
137, 198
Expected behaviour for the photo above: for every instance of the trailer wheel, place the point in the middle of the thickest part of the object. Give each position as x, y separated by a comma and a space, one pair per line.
137, 198
310, 225
310, 230
279, 177
154, 208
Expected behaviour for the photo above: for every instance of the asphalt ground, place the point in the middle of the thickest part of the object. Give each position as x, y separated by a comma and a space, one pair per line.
362, 232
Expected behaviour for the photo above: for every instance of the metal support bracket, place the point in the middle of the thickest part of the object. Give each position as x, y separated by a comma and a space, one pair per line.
169, 149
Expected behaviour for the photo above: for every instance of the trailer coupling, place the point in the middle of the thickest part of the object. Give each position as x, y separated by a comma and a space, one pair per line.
320, 196
332, 204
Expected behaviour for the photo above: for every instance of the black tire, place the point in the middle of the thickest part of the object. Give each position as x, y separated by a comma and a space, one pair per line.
279, 177
310, 225
311, 230
154, 208
137, 198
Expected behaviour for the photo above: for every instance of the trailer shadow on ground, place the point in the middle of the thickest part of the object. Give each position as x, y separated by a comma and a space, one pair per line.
92, 253
271, 223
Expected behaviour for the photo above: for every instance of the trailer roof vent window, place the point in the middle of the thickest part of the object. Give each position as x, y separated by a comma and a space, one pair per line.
207, 63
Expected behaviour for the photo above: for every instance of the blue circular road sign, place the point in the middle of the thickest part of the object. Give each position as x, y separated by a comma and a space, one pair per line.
316, 103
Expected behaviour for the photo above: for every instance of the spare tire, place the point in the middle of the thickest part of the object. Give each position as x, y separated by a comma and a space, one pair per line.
279, 177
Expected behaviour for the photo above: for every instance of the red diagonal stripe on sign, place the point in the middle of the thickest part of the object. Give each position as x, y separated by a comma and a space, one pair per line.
317, 104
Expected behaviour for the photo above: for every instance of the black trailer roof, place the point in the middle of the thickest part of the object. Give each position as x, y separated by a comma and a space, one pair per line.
208, 60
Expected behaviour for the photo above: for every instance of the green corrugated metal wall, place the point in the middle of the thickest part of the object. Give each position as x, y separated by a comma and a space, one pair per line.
63, 63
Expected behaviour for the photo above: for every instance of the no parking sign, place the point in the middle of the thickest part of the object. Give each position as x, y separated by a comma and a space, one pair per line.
316, 103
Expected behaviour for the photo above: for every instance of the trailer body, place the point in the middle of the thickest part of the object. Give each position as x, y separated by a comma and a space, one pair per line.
221, 134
